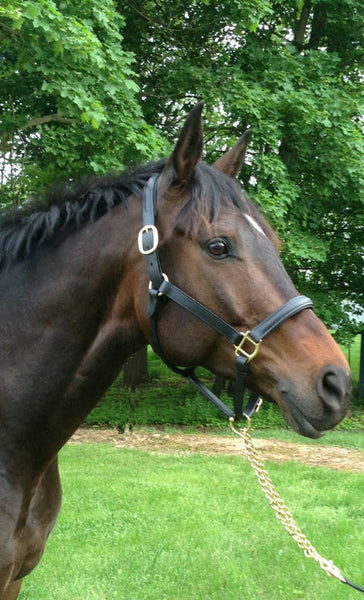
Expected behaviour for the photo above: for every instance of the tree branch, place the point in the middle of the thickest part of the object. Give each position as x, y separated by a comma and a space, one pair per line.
318, 27
56, 118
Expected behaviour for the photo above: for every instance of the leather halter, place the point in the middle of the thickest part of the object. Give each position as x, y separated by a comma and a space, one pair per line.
246, 344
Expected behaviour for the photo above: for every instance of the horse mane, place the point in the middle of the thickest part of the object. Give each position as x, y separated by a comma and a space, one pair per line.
65, 208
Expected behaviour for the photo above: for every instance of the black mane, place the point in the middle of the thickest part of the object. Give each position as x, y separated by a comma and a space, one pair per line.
68, 208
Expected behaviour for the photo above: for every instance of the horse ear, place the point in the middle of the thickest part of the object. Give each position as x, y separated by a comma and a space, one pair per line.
230, 163
188, 150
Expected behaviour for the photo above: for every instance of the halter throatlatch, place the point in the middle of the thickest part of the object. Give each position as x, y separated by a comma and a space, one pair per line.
246, 344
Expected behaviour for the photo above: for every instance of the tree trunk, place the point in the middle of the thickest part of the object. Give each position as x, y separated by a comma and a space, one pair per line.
136, 370
300, 26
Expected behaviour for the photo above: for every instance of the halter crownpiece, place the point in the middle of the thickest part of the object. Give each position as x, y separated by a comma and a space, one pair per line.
246, 344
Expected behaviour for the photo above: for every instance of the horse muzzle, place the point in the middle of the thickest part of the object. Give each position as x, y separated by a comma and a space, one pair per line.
331, 404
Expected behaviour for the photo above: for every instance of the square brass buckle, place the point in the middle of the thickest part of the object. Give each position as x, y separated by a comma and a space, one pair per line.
240, 350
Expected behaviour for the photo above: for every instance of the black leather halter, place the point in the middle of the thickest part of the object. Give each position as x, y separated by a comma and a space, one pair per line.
246, 344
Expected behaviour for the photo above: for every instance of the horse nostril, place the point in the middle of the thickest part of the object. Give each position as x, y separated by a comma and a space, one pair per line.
333, 387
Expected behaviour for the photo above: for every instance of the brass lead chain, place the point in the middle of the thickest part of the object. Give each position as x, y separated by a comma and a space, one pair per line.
279, 507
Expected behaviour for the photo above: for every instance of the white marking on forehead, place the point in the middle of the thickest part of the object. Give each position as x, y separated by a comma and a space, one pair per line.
254, 223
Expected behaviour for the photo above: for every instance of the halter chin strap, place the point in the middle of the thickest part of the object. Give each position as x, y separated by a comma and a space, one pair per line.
246, 344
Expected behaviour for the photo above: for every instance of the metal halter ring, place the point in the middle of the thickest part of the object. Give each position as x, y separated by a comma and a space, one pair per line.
165, 277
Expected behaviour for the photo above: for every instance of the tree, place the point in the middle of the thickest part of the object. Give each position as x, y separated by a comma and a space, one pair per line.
67, 95
293, 71
135, 370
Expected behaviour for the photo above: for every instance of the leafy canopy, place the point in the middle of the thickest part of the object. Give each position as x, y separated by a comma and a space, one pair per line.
67, 94
293, 72
88, 87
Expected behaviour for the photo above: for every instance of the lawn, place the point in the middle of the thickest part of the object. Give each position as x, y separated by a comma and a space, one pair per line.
142, 526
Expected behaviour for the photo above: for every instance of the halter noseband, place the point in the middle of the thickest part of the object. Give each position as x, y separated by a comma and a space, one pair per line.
246, 344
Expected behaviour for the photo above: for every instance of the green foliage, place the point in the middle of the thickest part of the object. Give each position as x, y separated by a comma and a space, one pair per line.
67, 94
351, 349
293, 71
173, 403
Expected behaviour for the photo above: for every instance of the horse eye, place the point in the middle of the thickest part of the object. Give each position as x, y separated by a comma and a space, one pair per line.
218, 248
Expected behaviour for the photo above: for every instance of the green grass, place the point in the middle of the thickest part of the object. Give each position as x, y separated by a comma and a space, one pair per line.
142, 526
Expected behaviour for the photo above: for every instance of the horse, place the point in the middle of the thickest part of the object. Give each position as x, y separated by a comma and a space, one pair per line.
75, 305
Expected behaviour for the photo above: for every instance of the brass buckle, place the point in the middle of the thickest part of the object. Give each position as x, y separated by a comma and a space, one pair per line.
240, 350
154, 231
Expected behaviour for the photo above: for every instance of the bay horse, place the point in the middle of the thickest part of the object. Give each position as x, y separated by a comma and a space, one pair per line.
74, 290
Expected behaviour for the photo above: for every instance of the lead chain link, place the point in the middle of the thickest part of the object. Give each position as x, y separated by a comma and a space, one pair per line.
281, 510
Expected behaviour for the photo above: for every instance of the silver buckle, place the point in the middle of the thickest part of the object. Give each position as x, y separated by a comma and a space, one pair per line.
146, 229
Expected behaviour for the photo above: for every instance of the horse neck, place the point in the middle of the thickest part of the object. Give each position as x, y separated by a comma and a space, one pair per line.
68, 324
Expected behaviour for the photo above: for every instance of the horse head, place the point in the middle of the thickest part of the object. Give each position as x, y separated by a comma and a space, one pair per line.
216, 246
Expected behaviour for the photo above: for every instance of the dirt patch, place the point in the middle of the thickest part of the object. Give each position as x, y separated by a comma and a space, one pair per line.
331, 457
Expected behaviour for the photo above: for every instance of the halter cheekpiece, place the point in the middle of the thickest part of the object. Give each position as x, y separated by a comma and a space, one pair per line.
246, 344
